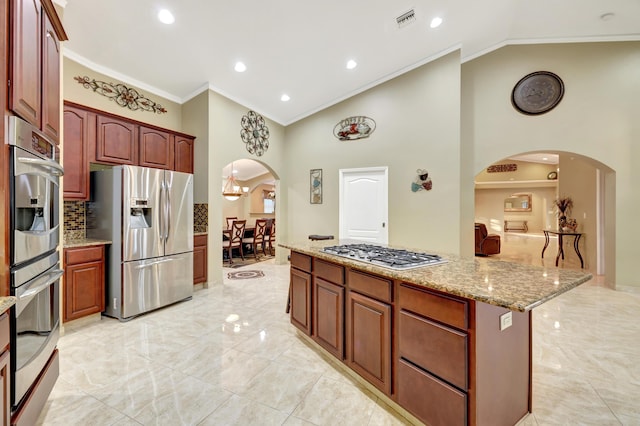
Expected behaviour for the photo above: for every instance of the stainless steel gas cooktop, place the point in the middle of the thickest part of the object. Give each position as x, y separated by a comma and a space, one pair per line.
396, 259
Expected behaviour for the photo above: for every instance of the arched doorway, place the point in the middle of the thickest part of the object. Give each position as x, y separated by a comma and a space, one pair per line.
249, 192
544, 177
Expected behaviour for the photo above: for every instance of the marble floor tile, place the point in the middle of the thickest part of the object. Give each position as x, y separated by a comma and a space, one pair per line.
244, 411
230, 356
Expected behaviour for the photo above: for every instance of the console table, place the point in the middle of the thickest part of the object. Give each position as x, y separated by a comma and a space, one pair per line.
515, 225
576, 239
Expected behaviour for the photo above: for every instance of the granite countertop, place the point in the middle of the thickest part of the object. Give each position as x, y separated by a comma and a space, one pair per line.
6, 302
195, 234
83, 242
514, 286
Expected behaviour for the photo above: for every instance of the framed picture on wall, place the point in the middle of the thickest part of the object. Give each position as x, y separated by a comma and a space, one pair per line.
315, 186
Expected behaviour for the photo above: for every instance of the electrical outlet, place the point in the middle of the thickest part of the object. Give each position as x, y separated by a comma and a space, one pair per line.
506, 320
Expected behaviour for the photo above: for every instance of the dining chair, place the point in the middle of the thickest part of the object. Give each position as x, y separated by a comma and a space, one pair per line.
235, 239
230, 220
258, 238
272, 238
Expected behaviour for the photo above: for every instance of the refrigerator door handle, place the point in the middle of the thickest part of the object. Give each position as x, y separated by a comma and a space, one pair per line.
163, 204
168, 207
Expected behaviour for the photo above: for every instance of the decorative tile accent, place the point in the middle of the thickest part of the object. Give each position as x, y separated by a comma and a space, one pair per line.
200, 217
74, 220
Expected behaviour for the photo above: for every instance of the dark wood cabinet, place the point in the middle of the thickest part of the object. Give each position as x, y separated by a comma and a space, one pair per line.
34, 81
116, 141
79, 130
5, 373
433, 348
183, 154
156, 148
328, 316
50, 80
94, 136
26, 65
369, 339
300, 292
200, 259
84, 282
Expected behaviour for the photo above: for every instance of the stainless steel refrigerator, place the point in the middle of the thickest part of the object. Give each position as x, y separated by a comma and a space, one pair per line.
148, 214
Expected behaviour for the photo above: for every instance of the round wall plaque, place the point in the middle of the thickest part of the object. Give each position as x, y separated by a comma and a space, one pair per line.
537, 93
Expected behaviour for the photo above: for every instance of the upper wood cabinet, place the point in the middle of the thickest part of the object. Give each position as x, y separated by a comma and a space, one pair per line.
116, 141
50, 80
156, 148
26, 87
183, 151
79, 131
35, 65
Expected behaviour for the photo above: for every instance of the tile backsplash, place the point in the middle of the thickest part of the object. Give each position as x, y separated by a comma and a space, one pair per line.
75, 219
200, 217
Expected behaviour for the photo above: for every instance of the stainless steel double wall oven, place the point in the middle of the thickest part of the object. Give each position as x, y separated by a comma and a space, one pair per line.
35, 265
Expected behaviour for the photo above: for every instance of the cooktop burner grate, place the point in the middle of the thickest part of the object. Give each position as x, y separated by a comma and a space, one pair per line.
398, 259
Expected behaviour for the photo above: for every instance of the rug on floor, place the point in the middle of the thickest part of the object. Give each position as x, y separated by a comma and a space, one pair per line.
245, 275
248, 260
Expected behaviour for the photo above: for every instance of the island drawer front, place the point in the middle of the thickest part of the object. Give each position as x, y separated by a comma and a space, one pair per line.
434, 347
445, 309
301, 261
83, 255
376, 287
329, 271
429, 399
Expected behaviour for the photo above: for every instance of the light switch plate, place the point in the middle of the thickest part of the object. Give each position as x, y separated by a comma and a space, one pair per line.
506, 320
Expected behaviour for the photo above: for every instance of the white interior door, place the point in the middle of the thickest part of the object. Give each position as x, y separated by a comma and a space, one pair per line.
364, 204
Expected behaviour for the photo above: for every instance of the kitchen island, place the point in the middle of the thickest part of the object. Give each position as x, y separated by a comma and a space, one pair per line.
449, 343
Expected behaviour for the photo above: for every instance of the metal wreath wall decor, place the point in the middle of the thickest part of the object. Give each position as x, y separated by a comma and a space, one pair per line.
122, 95
254, 133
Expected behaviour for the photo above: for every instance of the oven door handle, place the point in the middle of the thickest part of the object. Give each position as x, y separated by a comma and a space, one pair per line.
57, 169
28, 291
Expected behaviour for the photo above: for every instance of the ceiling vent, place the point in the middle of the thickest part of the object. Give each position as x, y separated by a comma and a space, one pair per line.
406, 18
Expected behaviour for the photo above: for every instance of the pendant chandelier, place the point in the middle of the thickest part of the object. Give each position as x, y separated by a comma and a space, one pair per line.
231, 190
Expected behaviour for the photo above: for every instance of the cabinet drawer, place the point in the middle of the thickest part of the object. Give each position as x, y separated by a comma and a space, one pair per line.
83, 255
199, 240
378, 288
4, 331
301, 261
429, 399
329, 271
434, 347
449, 310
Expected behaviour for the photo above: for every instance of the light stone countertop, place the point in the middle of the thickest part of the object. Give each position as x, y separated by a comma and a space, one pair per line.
83, 242
514, 286
6, 302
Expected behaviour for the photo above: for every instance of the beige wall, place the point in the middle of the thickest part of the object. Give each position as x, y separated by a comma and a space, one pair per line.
75, 92
195, 114
417, 127
225, 146
597, 118
578, 180
490, 208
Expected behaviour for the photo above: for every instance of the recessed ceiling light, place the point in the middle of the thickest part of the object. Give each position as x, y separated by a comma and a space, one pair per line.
545, 158
435, 22
285, 98
240, 67
166, 17
351, 64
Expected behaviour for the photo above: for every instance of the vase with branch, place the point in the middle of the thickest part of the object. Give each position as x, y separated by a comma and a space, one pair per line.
563, 209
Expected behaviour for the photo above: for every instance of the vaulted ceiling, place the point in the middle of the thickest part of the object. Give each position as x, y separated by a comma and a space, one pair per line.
300, 48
